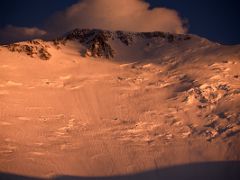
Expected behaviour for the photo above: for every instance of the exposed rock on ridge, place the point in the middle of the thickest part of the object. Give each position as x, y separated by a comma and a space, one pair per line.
31, 48
97, 42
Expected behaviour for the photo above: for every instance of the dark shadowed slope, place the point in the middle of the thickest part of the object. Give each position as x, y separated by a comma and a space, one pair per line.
199, 171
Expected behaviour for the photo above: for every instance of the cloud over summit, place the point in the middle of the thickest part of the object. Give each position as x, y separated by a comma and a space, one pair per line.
128, 15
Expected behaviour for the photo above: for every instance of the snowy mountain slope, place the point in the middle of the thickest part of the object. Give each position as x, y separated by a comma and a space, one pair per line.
102, 103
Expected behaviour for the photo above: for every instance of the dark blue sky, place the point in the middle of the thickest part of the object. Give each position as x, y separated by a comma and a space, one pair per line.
217, 20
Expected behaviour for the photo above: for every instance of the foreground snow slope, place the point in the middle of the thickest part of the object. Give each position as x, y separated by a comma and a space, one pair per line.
94, 104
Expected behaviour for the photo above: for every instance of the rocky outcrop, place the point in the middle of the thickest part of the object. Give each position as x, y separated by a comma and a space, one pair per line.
31, 48
95, 41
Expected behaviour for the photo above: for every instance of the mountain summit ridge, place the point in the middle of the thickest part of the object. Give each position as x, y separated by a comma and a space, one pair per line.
97, 44
126, 46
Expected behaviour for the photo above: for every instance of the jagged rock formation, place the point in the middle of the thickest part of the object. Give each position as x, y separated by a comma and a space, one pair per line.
95, 41
31, 48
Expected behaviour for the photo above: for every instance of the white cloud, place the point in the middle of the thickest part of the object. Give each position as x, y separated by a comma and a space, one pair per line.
129, 15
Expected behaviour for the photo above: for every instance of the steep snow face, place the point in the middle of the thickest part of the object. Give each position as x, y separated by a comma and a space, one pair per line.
157, 47
130, 46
